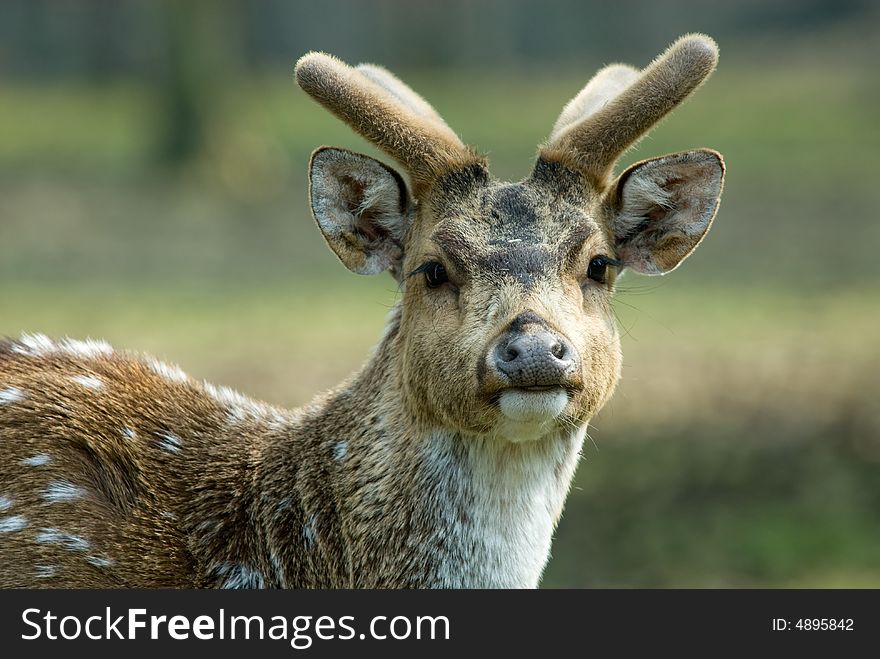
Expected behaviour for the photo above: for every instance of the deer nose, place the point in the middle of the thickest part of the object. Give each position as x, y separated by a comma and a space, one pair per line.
539, 359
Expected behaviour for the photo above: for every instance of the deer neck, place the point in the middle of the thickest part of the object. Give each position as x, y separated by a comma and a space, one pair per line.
358, 493
488, 508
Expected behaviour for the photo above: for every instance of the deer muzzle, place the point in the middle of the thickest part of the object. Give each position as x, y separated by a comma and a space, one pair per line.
531, 369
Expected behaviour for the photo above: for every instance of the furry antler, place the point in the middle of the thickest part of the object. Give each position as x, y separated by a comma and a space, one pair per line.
620, 105
388, 113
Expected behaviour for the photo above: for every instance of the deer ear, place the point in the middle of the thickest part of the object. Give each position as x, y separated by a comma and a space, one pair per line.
360, 206
662, 208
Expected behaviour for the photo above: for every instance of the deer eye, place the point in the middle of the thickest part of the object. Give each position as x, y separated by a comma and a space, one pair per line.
435, 274
598, 268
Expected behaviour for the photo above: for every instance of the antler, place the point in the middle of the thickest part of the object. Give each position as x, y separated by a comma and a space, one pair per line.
388, 113
619, 105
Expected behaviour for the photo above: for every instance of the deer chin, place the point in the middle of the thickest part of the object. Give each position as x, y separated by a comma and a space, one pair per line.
530, 414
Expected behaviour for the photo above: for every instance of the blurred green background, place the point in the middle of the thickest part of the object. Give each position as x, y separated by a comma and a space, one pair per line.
152, 192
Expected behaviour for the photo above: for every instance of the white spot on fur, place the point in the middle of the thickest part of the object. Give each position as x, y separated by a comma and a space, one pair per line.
89, 381
278, 568
5, 503
277, 420
308, 532
226, 396
63, 491
170, 442
89, 348
11, 395
45, 571
340, 450
37, 460
167, 514
236, 575
128, 433
168, 371
34, 345
241, 408
51, 536
39, 345
14, 523
99, 561
236, 415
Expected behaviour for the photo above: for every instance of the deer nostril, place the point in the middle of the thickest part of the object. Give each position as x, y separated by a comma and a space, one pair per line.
558, 350
511, 352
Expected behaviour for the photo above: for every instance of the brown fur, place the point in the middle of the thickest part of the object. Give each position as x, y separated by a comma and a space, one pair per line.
432, 466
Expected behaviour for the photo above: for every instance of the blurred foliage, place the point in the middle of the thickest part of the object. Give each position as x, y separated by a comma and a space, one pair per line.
153, 192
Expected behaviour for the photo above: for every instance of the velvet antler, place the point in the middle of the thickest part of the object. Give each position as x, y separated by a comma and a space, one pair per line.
620, 105
388, 113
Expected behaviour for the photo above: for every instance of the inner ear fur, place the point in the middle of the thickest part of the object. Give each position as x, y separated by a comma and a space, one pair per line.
360, 205
661, 208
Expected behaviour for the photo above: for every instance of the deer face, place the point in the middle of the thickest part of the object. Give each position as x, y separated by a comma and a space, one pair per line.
506, 326
515, 335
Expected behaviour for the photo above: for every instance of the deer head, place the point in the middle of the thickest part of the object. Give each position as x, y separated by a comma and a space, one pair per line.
506, 326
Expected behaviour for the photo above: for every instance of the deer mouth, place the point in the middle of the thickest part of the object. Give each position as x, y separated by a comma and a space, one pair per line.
534, 403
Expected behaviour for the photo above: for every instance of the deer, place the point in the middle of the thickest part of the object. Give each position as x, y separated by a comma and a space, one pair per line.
446, 460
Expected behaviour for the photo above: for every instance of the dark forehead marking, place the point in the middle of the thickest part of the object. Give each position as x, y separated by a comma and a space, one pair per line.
457, 187
464, 180
512, 204
519, 230
522, 217
520, 259
523, 262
